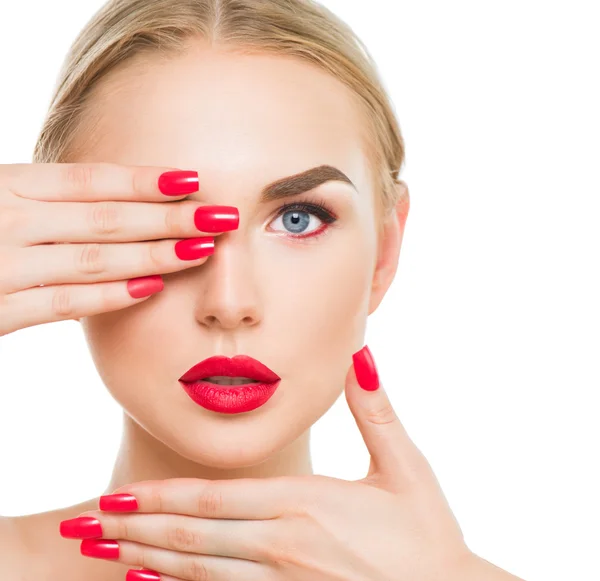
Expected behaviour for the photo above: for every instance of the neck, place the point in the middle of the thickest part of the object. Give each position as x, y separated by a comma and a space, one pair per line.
143, 457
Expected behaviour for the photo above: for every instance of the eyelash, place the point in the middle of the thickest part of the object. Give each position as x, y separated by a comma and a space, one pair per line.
312, 205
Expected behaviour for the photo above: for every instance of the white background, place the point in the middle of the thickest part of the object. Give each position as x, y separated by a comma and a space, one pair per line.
488, 341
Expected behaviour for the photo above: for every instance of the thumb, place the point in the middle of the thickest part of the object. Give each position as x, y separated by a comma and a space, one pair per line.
395, 459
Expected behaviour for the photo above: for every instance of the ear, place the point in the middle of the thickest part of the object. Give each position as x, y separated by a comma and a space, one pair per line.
390, 242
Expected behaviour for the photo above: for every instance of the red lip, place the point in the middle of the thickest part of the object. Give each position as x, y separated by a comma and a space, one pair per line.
235, 398
238, 366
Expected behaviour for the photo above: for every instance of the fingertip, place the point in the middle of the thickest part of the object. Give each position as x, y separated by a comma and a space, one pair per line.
144, 286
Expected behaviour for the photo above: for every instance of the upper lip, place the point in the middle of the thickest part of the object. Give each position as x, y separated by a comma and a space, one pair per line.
237, 366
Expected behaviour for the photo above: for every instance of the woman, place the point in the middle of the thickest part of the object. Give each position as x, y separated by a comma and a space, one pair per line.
253, 140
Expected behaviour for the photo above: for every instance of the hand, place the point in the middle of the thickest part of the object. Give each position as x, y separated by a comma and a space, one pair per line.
62, 228
394, 524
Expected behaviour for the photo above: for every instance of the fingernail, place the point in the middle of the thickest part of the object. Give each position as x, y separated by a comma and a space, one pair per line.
179, 182
365, 370
118, 502
144, 286
142, 575
193, 248
100, 548
82, 527
216, 218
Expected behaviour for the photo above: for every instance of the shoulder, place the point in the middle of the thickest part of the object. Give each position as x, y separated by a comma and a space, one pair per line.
31, 546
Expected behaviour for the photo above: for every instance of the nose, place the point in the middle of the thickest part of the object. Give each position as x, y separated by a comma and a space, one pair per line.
229, 294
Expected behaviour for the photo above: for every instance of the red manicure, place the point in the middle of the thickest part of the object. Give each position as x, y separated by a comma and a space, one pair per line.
144, 286
118, 502
179, 182
216, 218
82, 527
365, 370
142, 575
100, 548
193, 248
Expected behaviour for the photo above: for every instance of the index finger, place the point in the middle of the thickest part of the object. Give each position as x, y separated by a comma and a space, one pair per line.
89, 182
240, 498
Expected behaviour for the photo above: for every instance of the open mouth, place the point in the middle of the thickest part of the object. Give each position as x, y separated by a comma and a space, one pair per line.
239, 393
224, 380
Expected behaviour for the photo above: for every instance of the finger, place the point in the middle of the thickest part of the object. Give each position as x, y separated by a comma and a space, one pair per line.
87, 263
240, 498
148, 575
47, 304
108, 221
188, 566
240, 539
88, 182
394, 456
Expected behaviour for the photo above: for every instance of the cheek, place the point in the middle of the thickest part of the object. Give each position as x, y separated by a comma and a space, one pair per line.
318, 303
119, 346
314, 305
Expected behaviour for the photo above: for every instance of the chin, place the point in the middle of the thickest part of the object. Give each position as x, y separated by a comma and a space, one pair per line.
223, 445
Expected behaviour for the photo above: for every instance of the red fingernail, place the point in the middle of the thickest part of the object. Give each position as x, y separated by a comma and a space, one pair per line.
144, 286
216, 218
193, 248
179, 182
82, 527
365, 370
100, 548
118, 502
142, 575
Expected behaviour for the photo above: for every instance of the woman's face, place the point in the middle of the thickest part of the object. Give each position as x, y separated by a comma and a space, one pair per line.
297, 303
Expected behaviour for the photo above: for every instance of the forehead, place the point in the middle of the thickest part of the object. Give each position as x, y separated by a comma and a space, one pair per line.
210, 108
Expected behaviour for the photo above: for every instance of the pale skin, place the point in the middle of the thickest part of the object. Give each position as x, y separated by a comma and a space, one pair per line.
242, 122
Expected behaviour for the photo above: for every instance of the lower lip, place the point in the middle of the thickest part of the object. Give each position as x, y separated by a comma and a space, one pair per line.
234, 399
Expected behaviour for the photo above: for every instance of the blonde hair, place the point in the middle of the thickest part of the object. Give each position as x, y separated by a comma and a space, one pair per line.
122, 29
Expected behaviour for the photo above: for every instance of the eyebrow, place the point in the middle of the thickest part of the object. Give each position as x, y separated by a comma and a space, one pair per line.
303, 182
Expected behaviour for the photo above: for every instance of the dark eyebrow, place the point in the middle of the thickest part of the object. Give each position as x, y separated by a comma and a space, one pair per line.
303, 182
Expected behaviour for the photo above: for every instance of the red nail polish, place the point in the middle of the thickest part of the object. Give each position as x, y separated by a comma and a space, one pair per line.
100, 548
216, 218
193, 248
82, 527
365, 370
142, 575
118, 502
144, 286
179, 182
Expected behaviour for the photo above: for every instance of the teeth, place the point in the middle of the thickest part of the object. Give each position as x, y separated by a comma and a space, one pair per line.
223, 380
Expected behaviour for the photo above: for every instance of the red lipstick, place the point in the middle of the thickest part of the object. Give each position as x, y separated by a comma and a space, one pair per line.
230, 399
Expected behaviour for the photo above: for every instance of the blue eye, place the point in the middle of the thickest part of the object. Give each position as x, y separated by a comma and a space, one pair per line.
303, 219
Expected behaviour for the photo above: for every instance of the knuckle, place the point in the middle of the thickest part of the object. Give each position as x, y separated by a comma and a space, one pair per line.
140, 558
195, 570
62, 302
137, 184
79, 176
382, 415
282, 551
301, 509
172, 217
155, 255
104, 217
89, 258
123, 529
210, 503
182, 539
